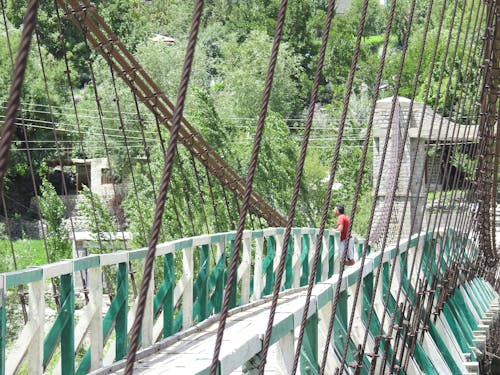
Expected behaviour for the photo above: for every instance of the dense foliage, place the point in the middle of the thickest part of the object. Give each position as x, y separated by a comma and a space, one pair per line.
223, 101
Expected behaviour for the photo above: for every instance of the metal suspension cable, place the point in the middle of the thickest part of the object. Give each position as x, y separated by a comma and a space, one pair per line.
200, 192
359, 180
296, 186
104, 40
327, 199
167, 172
108, 159
415, 306
75, 111
393, 267
437, 224
249, 181
185, 191
428, 266
20, 291
393, 326
8, 129
379, 179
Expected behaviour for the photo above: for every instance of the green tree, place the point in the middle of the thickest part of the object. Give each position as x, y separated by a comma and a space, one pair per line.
52, 209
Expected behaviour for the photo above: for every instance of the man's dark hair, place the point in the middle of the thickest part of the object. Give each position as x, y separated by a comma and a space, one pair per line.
340, 208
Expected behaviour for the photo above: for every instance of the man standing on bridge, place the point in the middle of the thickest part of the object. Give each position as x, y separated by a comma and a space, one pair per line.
343, 223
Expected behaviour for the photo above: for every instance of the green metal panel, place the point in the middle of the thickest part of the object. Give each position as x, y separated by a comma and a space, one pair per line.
423, 361
304, 260
331, 254
234, 289
281, 329
202, 289
137, 254
121, 316
319, 266
216, 285
86, 262
462, 339
184, 244
3, 331
23, 277
445, 352
480, 288
68, 330
54, 335
458, 302
168, 301
267, 266
309, 350
257, 234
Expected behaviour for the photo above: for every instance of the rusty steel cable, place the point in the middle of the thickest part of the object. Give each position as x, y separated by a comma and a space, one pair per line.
360, 174
413, 163
98, 99
163, 190
412, 305
29, 24
379, 178
75, 110
249, 181
396, 258
327, 199
8, 128
296, 185
84, 14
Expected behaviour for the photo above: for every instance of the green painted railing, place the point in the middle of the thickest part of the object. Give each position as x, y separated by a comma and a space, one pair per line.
191, 274
183, 295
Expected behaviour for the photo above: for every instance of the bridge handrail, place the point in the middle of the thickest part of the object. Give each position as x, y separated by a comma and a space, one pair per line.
182, 292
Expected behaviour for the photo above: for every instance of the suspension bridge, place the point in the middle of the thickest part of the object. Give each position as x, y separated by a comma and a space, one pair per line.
421, 298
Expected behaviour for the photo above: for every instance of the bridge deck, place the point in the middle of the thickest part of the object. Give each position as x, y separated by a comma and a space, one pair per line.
191, 352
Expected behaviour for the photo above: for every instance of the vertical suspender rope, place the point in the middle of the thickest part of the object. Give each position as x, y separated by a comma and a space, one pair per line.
412, 304
248, 184
366, 144
167, 173
379, 178
296, 186
29, 23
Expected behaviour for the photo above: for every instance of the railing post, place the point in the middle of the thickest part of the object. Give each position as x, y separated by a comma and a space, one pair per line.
147, 323
68, 331
204, 272
324, 316
168, 302
3, 325
37, 315
297, 249
338, 253
304, 258
269, 262
187, 297
325, 251
121, 316
219, 282
245, 264
309, 351
331, 255
284, 354
277, 257
257, 276
96, 334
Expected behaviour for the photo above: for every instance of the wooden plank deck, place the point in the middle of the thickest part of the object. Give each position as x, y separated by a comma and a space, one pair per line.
243, 337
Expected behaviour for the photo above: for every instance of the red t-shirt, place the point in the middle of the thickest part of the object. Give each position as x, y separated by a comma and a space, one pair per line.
344, 221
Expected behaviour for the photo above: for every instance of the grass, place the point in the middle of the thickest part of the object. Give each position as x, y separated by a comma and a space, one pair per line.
27, 253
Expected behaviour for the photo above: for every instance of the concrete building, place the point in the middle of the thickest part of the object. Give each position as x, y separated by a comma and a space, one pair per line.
430, 150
